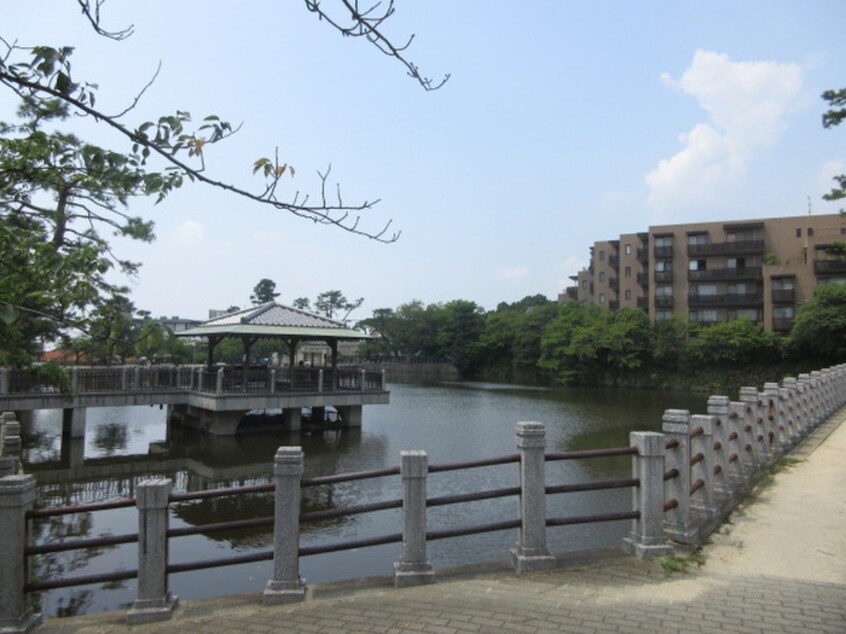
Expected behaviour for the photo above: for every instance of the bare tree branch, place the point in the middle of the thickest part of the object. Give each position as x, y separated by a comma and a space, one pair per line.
93, 15
366, 23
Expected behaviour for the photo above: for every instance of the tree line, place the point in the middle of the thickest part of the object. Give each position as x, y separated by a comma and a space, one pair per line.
537, 340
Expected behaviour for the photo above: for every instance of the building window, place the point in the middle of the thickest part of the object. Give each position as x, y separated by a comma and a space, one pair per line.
602, 276
602, 255
628, 249
736, 263
696, 265
783, 312
663, 314
602, 298
810, 231
798, 232
784, 283
664, 290
663, 266
738, 289
627, 272
628, 295
697, 238
663, 241
705, 290
708, 316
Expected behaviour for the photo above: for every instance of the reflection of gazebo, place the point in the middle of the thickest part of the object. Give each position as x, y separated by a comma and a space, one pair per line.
274, 321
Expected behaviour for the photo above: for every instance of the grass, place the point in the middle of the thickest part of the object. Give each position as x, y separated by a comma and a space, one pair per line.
680, 563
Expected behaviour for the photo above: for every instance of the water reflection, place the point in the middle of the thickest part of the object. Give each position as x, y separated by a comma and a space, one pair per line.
452, 422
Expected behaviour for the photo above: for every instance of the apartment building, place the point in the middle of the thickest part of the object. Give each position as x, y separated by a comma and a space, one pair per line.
761, 270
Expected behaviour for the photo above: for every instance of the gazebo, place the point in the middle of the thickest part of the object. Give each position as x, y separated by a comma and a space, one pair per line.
274, 321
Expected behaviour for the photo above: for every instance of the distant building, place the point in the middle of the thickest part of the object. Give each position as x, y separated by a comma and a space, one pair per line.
178, 324
761, 270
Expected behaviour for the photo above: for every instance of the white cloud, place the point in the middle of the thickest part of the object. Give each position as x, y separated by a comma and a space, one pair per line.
189, 232
516, 273
747, 104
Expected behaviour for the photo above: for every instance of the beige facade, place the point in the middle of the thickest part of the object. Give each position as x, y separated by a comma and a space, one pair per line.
761, 270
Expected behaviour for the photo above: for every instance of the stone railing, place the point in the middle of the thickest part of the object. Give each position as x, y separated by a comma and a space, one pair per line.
685, 480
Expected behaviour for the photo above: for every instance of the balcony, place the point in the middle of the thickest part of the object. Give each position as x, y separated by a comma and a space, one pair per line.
614, 304
748, 273
725, 299
614, 283
663, 276
664, 302
784, 296
827, 267
643, 302
643, 256
614, 261
663, 252
643, 279
740, 247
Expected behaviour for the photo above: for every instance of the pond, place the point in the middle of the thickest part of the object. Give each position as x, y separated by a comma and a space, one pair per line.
452, 422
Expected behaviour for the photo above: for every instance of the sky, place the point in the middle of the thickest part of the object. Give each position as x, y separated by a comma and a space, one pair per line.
562, 123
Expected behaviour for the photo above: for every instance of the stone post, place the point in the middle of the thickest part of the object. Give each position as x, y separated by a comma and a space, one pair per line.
137, 378
413, 568
219, 385
775, 418
790, 396
752, 436
17, 495
154, 602
702, 469
804, 381
718, 409
647, 537
286, 585
676, 428
529, 553
273, 380
4, 381
320, 380
827, 396
363, 380
741, 457
816, 397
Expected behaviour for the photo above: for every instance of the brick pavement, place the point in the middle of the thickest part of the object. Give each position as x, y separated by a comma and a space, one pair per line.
603, 593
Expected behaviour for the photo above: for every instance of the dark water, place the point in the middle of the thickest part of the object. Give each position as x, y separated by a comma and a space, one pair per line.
452, 422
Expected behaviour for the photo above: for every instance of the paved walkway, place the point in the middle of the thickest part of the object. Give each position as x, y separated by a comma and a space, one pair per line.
778, 565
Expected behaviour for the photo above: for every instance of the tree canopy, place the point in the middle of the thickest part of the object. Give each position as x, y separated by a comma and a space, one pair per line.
834, 116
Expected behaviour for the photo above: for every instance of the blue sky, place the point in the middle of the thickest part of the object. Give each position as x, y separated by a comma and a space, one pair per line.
563, 123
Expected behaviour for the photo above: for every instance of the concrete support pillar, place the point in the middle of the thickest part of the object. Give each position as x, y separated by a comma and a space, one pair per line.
286, 586
17, 495
292, 418
352, 415
718, 409
647, 538
676, 428
154, 602
703, 469
73, 422
11, 434
530, 553
413, 568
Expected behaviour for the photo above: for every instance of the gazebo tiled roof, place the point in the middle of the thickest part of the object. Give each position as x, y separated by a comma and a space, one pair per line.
274, 320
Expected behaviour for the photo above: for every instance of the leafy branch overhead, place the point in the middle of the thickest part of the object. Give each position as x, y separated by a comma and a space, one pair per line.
834, 116
63, 197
